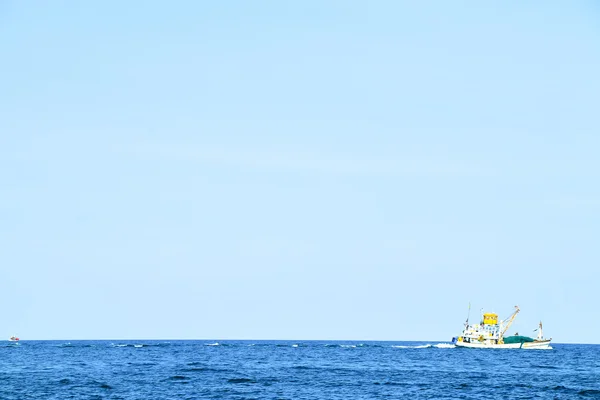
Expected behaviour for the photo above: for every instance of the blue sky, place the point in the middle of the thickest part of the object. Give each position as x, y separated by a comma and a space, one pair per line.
298, 170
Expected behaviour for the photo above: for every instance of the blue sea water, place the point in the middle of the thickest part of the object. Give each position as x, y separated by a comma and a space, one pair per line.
292, 370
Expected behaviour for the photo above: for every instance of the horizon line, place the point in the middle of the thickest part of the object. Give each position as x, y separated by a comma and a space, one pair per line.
261, 340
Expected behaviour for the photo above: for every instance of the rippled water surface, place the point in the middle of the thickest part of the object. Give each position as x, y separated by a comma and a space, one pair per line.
292, 370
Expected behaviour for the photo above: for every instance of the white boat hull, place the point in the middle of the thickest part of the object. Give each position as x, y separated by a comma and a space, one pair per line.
541, 345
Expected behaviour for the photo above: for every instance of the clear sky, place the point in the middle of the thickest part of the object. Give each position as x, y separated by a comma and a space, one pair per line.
298, 169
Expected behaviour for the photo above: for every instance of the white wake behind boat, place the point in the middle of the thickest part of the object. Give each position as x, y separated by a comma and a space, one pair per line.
490, 333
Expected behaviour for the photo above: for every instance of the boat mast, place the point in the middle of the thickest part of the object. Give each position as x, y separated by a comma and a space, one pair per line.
509, 323
540, 335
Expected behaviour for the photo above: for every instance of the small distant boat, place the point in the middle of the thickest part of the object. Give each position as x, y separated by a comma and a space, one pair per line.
490, 333
13, 339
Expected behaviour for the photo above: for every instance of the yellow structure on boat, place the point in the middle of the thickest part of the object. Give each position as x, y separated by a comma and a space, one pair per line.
490, 319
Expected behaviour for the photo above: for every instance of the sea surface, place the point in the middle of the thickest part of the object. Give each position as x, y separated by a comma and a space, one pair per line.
170, 369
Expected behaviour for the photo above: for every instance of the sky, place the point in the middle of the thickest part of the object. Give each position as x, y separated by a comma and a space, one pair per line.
328, 170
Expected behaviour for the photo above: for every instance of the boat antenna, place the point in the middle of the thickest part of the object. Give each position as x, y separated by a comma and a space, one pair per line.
468, 315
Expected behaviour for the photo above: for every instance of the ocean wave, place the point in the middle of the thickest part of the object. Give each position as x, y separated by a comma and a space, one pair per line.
198, 369
178, 378
302, 367
544, 366
136, 345
201, 368
444, 346
589, 392
424, 346
389, 383
241, 380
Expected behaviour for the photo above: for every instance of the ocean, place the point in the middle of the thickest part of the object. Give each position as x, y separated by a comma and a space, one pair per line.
171, 369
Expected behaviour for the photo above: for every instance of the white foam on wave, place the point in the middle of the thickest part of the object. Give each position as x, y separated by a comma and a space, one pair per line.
348, 345
138, 345
212, 344
427, 346
294, 345
424, 346
538, 348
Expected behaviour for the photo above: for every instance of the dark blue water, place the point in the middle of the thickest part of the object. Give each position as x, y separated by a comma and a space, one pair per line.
292, 370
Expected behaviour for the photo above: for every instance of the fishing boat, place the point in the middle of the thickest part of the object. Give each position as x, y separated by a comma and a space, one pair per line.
13, 338
491, 333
